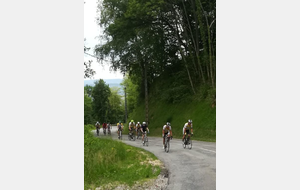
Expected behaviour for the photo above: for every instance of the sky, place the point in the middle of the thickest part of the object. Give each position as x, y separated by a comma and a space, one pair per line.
91, 33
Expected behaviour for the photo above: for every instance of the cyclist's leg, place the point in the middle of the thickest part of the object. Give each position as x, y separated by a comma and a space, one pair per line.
188, 134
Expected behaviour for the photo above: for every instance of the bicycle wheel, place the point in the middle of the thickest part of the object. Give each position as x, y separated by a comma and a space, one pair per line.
190, 144
133, 137
121, 135
168, 144
146, 141
184, 142
129, 136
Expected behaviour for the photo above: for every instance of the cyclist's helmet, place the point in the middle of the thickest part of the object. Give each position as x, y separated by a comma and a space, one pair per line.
190, 121
168, 123
138, 122
120, 122
132, 121
144, 123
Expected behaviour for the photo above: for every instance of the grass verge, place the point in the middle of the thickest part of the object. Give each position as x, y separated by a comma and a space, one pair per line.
112, 162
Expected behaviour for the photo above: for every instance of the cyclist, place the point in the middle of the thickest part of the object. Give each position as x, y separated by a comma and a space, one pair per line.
137, 128
104, 127
131, 126
144, 128
108, 127
97, 125
120, 127
167, 130
186, 129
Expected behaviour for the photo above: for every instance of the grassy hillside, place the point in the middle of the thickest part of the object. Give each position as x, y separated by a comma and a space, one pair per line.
200, 111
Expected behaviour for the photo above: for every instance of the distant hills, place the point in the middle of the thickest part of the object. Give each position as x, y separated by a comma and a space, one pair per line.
110, 82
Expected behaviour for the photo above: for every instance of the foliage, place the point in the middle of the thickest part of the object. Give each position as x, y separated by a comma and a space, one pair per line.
88, 110
100, 94
88, 71
116, 108
158, 34
88, 90
132, 92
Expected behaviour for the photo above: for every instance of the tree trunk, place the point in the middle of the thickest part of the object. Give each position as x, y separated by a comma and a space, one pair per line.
209, 47
146, 95
181, 53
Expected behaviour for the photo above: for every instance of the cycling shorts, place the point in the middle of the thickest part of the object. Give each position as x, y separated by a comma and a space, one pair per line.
187, 131
144, 130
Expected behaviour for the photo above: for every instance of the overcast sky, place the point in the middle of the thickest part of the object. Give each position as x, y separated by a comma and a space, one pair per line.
91, 32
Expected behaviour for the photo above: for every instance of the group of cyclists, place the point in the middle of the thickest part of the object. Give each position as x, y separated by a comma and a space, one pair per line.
104, 127
138, 127
186, 130
166, 131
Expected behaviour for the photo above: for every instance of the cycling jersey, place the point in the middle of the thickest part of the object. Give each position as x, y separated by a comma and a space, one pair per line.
138, 125
144, 128
166, 128
187, 126
119, 125
131, 124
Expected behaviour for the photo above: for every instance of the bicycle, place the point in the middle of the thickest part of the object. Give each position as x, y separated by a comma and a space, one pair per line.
187, 142
131, 136
139, 134
104, 131
120, 135
108, 131
97, 131
167, 143
145, 139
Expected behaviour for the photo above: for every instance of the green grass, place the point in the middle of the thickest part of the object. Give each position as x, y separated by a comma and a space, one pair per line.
200, 111
108, 161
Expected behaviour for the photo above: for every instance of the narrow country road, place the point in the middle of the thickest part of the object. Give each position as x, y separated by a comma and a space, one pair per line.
193, 169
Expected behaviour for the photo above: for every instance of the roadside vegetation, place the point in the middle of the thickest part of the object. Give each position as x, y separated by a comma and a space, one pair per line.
201, 112
111, 163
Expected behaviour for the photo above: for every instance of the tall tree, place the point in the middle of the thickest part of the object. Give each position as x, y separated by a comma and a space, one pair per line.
145, 38
100, 94
115, 110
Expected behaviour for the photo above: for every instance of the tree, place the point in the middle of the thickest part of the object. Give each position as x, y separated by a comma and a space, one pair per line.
100, 95
88, 110
146, 38
88, 90
115, 105
132, 92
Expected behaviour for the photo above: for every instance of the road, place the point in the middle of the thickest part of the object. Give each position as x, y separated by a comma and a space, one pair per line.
189, 169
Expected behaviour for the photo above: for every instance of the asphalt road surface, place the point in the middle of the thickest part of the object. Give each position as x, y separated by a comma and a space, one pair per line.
189, 169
